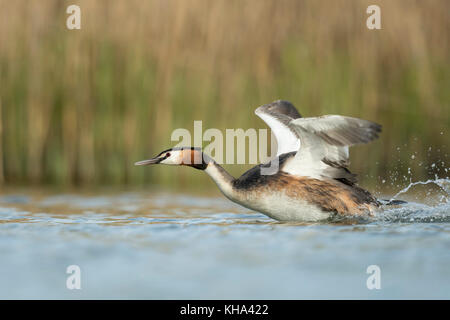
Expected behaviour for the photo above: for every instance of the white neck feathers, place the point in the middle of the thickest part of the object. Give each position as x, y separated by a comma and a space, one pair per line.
222, 178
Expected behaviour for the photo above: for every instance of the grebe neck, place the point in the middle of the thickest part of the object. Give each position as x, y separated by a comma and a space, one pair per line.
222, 178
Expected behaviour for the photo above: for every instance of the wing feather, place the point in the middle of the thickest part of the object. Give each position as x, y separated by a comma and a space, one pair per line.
324, 145
321, 143
339, 130
277, 116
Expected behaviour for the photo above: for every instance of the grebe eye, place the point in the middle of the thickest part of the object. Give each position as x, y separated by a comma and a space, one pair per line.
167, 154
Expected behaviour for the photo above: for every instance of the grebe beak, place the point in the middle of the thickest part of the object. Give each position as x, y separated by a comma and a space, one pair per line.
149, 161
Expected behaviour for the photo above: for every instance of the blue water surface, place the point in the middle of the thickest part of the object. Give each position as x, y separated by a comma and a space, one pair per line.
174, 246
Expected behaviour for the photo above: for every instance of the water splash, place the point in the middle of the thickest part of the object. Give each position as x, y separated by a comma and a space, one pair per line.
418, 212
444, 184
414, 212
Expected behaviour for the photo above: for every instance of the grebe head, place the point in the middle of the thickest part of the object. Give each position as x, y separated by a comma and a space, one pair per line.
179, 156
281, 107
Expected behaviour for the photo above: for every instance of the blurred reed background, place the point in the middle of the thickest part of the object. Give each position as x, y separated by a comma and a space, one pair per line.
80, 107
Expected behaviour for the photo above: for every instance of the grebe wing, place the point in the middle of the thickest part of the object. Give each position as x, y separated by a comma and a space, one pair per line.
324, 145
287, 138
338, 130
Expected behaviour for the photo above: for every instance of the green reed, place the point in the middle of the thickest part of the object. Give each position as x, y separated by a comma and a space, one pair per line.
80, 107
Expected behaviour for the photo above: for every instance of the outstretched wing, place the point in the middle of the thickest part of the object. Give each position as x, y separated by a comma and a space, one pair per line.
277, 115
338, 130
324, 145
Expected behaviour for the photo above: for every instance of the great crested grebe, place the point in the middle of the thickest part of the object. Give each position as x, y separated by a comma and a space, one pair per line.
312, 182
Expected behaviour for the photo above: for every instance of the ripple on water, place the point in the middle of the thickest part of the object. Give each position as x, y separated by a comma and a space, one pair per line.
136, 245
